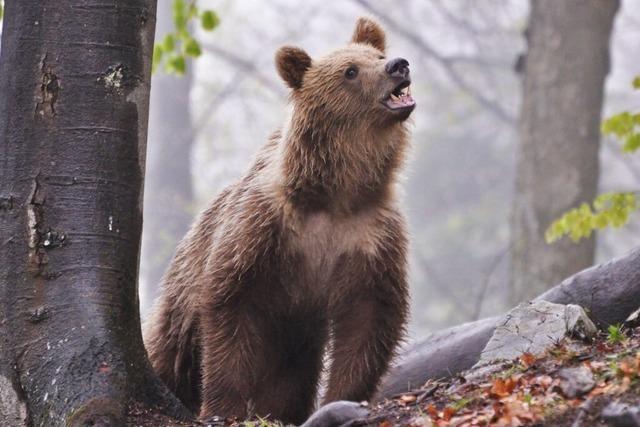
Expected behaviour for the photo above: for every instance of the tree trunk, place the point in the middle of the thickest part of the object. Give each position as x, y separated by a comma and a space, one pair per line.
564, 72
169, 194
74, 91
609, 292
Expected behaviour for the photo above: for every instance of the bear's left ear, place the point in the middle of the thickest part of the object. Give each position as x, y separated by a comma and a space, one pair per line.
369, 32
292, 63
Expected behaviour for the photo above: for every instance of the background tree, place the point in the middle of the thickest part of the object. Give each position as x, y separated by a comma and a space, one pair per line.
74, 91
168, 196
557, 168
169, 191
609, 209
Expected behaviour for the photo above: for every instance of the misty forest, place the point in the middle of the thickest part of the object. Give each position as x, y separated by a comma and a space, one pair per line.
356, 213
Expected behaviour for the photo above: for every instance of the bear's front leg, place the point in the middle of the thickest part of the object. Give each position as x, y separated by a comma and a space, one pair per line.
260, 354
368, 321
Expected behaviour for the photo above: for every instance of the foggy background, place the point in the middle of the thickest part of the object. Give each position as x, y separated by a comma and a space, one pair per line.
459, 180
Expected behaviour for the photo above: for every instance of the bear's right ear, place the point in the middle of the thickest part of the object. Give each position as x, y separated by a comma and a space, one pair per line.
292, 63
368, 31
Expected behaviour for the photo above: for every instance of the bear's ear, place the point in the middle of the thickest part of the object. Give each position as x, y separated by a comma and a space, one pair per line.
369, 32
292, 63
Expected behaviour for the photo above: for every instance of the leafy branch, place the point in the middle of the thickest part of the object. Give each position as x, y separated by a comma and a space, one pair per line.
174, 48
609, 209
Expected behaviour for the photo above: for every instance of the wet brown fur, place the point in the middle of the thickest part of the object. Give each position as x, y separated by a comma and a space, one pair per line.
308, 248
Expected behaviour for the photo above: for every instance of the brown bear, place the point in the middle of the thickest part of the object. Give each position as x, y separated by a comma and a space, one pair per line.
306, 253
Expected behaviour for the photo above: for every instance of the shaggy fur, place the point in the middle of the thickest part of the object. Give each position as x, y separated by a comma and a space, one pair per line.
309, 247
292, 63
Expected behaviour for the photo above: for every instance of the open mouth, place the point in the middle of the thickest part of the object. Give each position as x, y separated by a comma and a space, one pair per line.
400, 97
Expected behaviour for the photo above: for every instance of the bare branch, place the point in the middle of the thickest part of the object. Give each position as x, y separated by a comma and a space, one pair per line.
435, 281
487, 279
446, 63
245, 65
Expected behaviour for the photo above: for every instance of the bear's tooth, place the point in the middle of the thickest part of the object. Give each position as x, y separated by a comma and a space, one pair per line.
394, 97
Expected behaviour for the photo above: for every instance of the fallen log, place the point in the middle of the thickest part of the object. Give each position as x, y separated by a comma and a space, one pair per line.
609, 292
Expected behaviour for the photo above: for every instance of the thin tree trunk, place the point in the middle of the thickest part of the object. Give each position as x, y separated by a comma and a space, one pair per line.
564, 72
169, 193
74, 90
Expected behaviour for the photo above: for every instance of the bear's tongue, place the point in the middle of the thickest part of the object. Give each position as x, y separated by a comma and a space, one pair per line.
403, 100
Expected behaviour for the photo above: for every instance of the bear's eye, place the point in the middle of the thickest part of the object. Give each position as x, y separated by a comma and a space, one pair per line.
351, 72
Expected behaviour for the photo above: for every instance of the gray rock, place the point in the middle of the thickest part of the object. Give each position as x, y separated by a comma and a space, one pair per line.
576, 381
584, 413
618, 414
633, 320
484, 371
336, 414
535, 327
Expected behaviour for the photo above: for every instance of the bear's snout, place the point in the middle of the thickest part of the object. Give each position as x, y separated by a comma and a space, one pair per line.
397, 67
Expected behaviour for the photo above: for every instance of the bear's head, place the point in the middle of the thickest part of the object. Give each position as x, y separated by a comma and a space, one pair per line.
354, 84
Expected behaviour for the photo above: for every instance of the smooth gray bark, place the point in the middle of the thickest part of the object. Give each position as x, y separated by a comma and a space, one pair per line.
74, 92
559, 128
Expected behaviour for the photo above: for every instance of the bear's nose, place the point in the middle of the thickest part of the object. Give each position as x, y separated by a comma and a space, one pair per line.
397, 67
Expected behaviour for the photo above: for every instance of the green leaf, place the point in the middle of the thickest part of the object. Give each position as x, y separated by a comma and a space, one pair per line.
192, 48
193, 11
615, 334
180, 15
619, 124
178, 7
609, 209
636, 82
209, 20
1, 11
180, 22
176, 64
178, 45
168, 43
632, 143
157, 57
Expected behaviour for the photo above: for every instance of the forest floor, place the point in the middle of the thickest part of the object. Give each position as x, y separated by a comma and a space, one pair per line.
569, 385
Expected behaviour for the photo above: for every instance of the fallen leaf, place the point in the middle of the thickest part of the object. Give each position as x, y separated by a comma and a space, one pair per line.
407, 398
498, 410
527, 359
543, 380
597, 391
499, 388
432, 411
421, 422
503, 388
626, 369
448, 413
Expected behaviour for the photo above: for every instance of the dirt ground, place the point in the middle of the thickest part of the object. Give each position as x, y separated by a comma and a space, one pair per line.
529, 391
